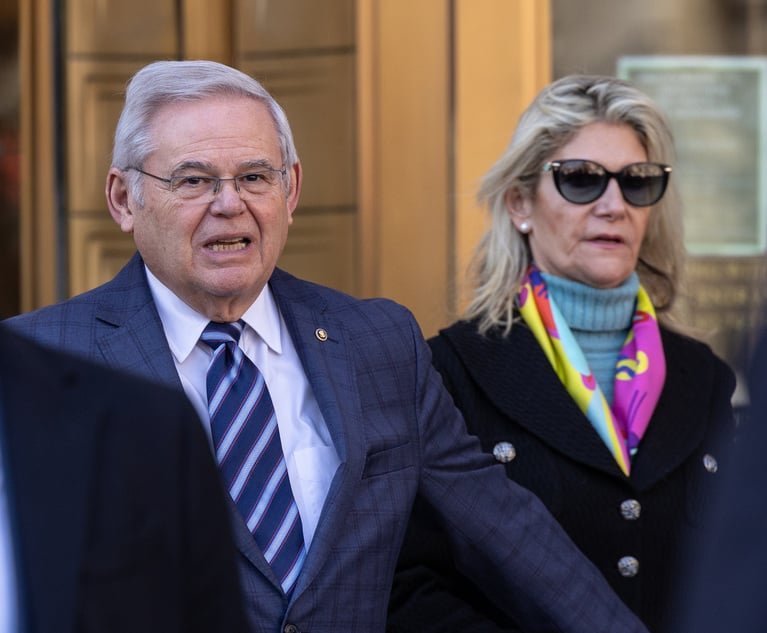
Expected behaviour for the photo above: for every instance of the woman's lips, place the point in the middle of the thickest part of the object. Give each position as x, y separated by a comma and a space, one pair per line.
610, 239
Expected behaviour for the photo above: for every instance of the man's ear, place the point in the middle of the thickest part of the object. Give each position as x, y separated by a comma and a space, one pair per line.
294, 192
520, 209
118, 200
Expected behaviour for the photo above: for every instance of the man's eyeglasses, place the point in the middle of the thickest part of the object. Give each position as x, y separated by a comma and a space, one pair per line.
583, 181
198, 187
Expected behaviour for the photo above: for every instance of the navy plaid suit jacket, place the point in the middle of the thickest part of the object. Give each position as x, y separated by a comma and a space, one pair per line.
398, 435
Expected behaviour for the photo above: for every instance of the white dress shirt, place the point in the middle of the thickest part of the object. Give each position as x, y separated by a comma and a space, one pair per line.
8, 605
310, 455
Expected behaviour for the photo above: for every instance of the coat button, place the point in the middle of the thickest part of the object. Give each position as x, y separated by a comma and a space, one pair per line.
710, 463
291, 628
504, 452
631, 509
628, 566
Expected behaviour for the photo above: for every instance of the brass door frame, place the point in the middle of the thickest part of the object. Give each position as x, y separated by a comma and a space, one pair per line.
39, 247
441, 85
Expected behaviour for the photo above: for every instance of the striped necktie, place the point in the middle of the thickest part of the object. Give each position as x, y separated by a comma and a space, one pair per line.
249, 453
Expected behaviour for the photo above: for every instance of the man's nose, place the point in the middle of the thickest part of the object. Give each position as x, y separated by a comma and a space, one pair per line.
226, 196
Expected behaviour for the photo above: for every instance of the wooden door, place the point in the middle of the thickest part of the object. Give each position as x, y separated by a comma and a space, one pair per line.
397, 107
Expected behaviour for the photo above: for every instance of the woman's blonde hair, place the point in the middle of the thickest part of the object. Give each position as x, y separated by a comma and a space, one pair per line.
550, 122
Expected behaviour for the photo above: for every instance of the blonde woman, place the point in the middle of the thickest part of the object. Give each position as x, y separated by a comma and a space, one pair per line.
565, 366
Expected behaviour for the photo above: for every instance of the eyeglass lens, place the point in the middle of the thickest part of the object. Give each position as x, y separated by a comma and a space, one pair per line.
193, 187
584, 181
197, 187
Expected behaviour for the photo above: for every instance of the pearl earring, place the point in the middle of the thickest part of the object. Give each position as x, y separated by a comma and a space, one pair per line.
524, 227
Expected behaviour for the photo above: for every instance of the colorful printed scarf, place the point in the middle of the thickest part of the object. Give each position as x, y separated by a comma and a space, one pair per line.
639, 372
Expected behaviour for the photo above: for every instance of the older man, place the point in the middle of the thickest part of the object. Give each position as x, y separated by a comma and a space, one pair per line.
324, 412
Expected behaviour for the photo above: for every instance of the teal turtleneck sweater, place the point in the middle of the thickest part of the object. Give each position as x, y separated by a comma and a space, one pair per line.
599, 319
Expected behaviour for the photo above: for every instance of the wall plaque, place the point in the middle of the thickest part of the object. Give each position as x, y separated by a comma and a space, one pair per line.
717, 108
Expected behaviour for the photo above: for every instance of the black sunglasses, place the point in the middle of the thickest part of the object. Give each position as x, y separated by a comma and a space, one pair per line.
583, 181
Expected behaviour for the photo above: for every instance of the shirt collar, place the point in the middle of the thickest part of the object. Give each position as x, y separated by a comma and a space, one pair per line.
264, 319
183, 325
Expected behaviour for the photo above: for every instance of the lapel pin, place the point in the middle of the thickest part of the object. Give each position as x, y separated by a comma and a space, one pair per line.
321, 334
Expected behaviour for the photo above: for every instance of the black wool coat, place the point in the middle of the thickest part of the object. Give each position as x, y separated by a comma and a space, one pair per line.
508, 392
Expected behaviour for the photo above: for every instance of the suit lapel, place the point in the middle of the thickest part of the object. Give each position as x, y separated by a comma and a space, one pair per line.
139, 345
50, 456
129, 331
243, 539
330, 373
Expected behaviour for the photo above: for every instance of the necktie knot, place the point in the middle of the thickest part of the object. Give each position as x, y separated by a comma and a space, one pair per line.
216, 334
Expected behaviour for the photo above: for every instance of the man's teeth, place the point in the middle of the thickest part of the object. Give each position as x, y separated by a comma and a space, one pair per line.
230, 245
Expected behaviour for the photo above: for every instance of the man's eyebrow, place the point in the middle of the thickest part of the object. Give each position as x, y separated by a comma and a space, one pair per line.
208, 168
189, 165
258, 163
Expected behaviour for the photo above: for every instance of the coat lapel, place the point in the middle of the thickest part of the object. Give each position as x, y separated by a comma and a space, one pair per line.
129, 332
243, 539
138, 345
681, 414
50, 456
329, 369
516, 376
